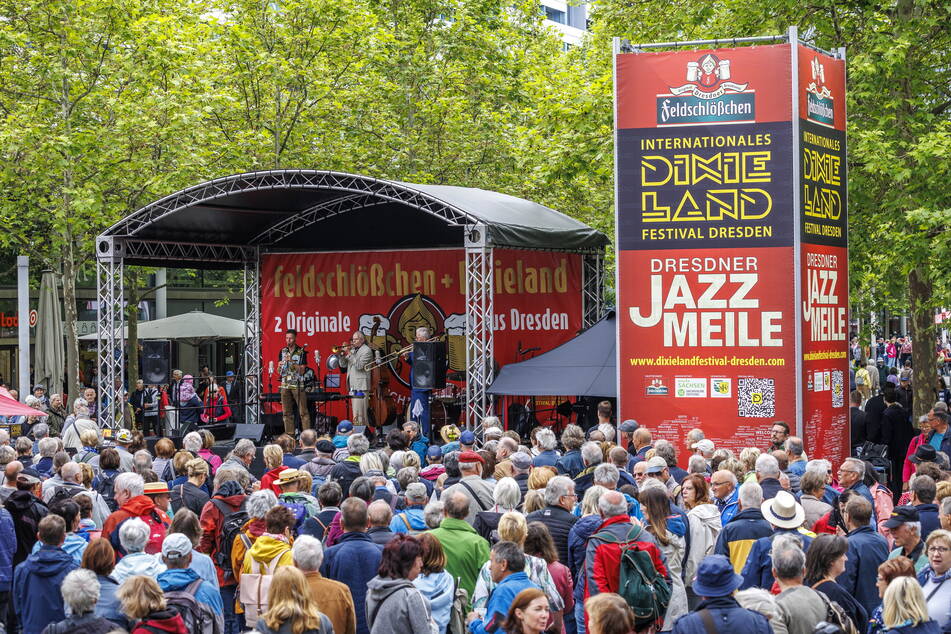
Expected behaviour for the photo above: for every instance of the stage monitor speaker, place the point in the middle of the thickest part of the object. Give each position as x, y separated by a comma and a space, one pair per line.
429, 365
254, 432
156, 357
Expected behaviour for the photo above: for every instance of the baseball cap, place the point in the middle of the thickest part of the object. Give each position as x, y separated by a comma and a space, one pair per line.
467, 438
521, 460
124, 435
901, 515
471, 456
434, 451
229, 373
628, 426
345, 427
39, 386
155, 488
325, 446
26, 478
704, 445
655, 465
176, 546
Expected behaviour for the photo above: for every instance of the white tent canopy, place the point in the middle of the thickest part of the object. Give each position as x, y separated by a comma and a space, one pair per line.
194, 328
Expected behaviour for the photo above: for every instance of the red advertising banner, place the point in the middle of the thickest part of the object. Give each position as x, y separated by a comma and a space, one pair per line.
328, 296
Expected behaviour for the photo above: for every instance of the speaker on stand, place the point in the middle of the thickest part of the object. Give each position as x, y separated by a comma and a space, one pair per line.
155, 360
429, 365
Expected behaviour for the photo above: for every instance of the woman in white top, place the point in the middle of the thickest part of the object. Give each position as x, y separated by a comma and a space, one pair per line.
935, 579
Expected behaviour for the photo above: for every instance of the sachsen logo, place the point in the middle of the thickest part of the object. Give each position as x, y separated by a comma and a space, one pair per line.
819, 103
708, 96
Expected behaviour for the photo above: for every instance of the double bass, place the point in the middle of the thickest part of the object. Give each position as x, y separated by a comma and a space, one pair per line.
382, 410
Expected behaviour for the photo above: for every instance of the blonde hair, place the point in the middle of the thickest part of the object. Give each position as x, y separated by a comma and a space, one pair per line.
289, 599
748, 457
88, 474
539, 477
140, 596
411, 459
938, 534
513, 528
589, 505
904, 601
273, 456
534, 499
89, 437
942, 490
372, 461
197, 467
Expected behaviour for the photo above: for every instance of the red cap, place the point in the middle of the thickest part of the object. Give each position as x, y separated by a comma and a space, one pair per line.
471, 456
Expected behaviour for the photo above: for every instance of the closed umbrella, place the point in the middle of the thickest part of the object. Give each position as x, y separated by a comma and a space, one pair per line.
49, 357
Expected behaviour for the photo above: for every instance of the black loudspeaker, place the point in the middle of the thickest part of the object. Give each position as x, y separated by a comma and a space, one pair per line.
155, 362
254, 432
429, 365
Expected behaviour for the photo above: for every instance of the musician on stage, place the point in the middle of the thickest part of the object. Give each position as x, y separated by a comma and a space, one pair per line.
354, 359
419, 399
292, 369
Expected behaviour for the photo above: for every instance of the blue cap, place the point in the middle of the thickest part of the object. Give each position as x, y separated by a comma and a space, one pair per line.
434, 451
467, 438
344, 427
229, 373
715, 577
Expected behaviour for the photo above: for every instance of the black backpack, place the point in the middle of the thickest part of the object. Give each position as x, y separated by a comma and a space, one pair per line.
61, 493
231, 528
198, 617
106, 488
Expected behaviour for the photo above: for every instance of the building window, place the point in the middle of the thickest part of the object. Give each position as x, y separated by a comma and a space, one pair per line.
555, 15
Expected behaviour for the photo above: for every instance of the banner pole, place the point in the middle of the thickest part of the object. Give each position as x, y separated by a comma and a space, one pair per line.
23, 325
793, 37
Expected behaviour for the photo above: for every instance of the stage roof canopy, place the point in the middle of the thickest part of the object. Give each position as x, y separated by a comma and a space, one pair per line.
583, 366
285, 210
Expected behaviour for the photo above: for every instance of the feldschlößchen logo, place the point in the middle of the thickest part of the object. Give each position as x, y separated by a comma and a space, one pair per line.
709, 96
819, 103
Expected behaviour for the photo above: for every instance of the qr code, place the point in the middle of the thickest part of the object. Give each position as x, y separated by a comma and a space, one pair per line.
756, 398
837, 388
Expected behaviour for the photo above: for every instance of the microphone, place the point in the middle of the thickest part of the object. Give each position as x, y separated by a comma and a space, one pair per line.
270, 367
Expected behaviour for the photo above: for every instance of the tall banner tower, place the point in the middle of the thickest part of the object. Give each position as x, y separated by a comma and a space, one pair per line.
732, 242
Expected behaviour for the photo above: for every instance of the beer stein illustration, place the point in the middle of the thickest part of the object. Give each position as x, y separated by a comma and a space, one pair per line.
455, 325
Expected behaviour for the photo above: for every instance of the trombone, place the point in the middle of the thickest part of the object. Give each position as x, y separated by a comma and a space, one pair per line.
393, 356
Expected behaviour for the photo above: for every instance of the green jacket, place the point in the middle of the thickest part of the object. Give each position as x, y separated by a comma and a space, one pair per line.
465, 550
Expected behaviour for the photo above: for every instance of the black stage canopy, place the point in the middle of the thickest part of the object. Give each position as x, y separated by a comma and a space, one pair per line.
584, 366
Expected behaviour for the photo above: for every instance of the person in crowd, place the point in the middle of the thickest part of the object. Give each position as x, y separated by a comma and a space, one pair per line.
933, 577
393, 604
189, 494
76, 424
591, 456
539, 544
547, 443
274, 463
189, 405
715, 583
896, 432
905, 609
585, 527
101, 560
507, 498
528, 613
354, 559
331, 597
724, 490
10, 472
27, 511
329, 497
867, 550
434, 582
668, 530
179, 576
36, 582
134, 539
812, 486
891, 569
348, 469
132, 501
241, 457
229, 496
825, 562
570, 463
609, 613
796, 455
778, 434
465, 550
558, 515
274, 542
478, 490
923, 491
291, 607
143, 602
704, 526
799, 607
379, 516
287, 445
767, 474
257, 506
786, 516
321, 463
411, 519
521, 469
80, 592
186, 523
74, 545
508, 572
905, 527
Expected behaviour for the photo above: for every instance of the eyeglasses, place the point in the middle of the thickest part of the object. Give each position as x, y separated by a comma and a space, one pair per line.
717, 484
939, 549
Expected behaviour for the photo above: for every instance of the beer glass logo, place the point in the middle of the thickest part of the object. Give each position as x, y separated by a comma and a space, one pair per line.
455, 327
709, 96
708, 78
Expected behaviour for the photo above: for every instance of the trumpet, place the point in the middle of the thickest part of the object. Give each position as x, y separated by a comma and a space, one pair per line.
344, 347
393, 356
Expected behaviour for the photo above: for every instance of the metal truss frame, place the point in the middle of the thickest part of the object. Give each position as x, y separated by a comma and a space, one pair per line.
252, 338
110, 319
592, 289
480, 311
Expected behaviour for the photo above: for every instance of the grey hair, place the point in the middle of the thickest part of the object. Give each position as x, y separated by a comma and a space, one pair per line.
260, 502
606, 472
696, 464
666, 451
546, 439
192, 441
142, 460
244, 447
40, 430
433, 514
131, 483
134, 535
7, 454
24, 445
357, 444
651, 483
612, 509
308, 553
750, 495
80, 590
412, 424
794, 445
242, 477
379, 513
767, 465
491, 421
946, 506
80, 403
556, 488
591, 454
69, 471
507, 495
757, 600
819, 465
915, 527
589, 505
855, 465
47, 447
788, 559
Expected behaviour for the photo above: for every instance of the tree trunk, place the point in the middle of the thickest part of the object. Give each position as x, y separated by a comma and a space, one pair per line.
70, 318
923, 337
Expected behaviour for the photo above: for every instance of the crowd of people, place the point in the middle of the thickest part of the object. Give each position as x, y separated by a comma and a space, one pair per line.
607, 531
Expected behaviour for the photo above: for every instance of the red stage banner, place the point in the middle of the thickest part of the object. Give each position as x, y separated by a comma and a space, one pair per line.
328, 296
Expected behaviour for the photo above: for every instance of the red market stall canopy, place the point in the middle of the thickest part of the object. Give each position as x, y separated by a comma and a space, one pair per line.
11, 407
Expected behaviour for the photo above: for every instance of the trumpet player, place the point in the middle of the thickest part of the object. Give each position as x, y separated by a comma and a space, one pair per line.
354, 358
292, 366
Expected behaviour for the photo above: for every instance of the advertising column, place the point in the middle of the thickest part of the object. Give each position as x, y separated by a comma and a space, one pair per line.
824, 253
705, 239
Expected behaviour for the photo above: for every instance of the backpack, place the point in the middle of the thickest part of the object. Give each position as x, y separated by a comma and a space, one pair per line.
231, 528
61, 493
409, 527
641, 586
457, 613
106, 488
300, 513
835, 615
198, 618
254, 586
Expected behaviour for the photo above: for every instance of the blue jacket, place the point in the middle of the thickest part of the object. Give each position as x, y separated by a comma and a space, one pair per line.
928, 514
945, 442
8, 547
770, 486
353, 561
108, 605
497, 608
867, 551
728, 507
797, 467
420, 446
570, 464
546, 459
758, 572
926, 627
292, 462
727, 615
36, 584
173, 580
736, 539
75, 545
577, 542
414, 515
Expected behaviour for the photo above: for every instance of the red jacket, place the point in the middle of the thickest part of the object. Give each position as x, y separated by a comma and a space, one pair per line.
269, 478
166, 621
211, 524
140, 506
